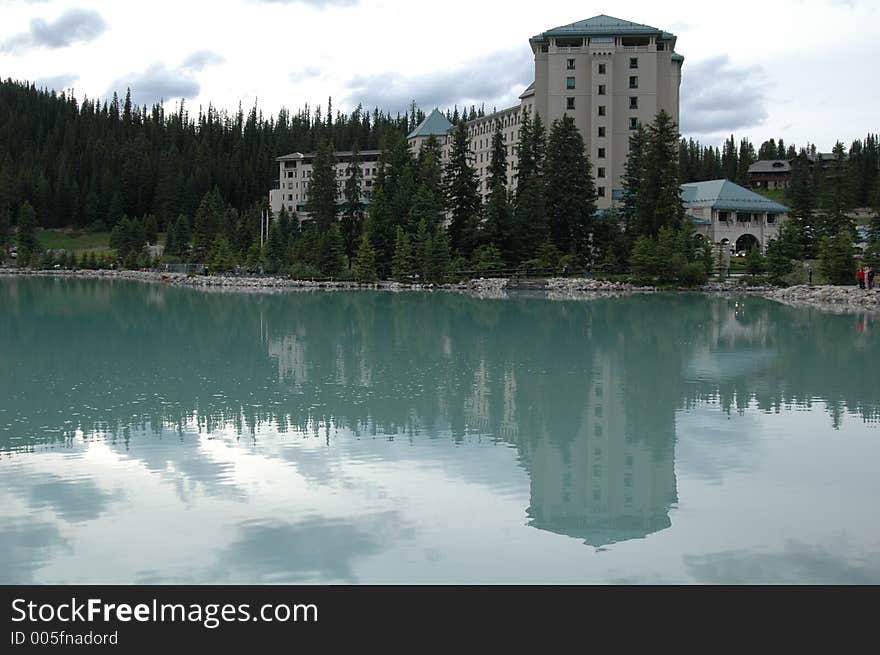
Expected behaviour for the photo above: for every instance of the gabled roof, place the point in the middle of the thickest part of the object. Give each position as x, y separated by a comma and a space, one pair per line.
436, 124
771, 166
603, 25
530, 91
724, 194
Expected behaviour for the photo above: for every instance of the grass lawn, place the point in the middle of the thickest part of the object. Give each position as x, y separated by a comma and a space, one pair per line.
777, 195
68, 240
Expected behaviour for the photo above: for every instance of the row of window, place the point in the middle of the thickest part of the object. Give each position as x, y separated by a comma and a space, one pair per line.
633, 84
633, 64
340, 172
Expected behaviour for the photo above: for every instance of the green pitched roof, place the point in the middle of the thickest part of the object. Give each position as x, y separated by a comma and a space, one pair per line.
603, 25
436, 124
724, 194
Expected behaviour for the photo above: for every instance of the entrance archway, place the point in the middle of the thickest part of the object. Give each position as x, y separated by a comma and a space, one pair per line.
747, 242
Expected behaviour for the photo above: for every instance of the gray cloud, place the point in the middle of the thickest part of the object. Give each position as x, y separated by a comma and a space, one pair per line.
56, 82
202, 59
73, 26
496, 80
304, 74
155, 84
718, 97
317, 4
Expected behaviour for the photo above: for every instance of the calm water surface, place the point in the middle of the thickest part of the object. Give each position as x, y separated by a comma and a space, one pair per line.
160, 435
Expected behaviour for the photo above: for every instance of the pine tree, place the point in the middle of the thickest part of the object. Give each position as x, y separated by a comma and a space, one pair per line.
439, 256
462, 194
365, 262
223, 259
5, 229
497, 226
322, 189
530, 213
207, 224
634, 171
571, 195
744, 161
836, 259
428, 203
353, 209
331, 252
26, 240
754, 261
403, 265
658, 202
836, 195
801, 192
729, 162
778, 263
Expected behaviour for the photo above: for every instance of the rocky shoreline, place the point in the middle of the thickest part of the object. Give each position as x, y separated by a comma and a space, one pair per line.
830, 298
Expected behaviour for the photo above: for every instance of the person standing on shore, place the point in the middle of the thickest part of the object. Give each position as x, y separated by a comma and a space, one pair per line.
860, 278
871, 274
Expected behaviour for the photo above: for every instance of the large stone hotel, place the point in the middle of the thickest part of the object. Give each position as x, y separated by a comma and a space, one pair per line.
608, 74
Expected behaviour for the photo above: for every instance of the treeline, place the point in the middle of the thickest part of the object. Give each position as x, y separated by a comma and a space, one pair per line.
698, 163
87, 164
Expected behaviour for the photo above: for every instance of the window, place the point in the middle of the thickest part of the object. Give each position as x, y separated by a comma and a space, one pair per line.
569, 64
601, 69
601, 153
633, 123
634, 81
601, 130
723, 217
633, 102
601, 191
600, 172
569, 103
601, 89
633, 62
601, 110
771, 219
290, 196
569, 82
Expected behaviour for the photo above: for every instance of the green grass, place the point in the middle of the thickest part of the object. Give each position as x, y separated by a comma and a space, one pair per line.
777, 195
67, 240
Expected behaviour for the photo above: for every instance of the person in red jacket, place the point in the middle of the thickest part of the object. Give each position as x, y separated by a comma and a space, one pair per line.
860, 278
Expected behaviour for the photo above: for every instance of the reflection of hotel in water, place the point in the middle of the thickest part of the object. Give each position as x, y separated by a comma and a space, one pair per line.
601, 484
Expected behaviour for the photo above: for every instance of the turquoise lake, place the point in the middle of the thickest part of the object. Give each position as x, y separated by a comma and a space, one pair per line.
151, 434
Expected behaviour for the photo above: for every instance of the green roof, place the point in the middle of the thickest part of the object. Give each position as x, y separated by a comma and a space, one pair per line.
724, 194
603, 25
436, 124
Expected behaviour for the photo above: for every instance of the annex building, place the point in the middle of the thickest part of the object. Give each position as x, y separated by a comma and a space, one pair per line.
731, 215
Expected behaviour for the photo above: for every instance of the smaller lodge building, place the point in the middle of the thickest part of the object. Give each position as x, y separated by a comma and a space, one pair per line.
731, 215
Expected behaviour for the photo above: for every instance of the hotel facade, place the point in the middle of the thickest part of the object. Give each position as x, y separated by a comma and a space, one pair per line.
608, 74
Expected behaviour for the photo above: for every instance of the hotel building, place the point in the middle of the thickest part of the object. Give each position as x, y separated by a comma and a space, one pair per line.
608, 74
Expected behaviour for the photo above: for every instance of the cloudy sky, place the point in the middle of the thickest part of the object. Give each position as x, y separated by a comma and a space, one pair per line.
803, 70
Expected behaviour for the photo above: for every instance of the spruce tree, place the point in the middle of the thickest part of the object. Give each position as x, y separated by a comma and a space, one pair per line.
497, 225
439, 255
331, 252
836, 259
223, 259
634, 171
462, 194
365, 261
659, 202
729, 162
322, 189
26, 240
207, 223
801, 192
428, 203
353, 209
836, 194
571, 194
5, 229
530, 214
403, 265
745, 159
